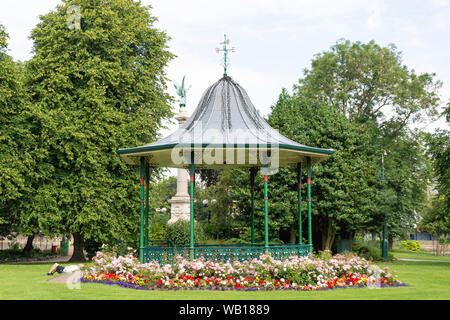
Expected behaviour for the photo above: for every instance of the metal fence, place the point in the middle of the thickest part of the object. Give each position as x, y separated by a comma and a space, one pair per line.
166, 253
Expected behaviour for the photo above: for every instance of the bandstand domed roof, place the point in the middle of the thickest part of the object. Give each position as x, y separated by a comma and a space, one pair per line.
225, 121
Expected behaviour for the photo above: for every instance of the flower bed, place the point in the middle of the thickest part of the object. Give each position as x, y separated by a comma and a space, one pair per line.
297, 273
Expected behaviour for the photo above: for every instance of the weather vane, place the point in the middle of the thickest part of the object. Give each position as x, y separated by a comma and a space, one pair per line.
225, 53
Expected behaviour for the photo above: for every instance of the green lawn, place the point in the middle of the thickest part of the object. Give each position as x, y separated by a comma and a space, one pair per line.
427, 280
407, 254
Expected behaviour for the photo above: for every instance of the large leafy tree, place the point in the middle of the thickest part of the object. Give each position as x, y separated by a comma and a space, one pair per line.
343, 197
16, 141
436, 217
97, 84
370, 86
342, 194
367, 82
374, 97
406, 180
439, 153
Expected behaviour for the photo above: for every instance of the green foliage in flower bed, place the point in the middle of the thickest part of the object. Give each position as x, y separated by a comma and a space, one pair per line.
305, 273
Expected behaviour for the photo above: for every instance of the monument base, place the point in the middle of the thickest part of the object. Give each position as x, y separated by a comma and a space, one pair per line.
180, 209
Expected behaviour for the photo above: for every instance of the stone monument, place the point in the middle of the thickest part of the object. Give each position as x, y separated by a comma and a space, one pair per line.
180, 203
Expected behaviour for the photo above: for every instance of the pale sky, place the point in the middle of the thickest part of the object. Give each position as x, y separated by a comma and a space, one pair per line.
275, 40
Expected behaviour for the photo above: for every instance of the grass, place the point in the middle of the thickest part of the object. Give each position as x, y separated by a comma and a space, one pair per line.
408, 254
426, 280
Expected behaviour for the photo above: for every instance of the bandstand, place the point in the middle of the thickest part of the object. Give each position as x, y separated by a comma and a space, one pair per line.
225, 130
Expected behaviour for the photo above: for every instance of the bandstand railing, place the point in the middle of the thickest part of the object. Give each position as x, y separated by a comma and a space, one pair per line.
223, 253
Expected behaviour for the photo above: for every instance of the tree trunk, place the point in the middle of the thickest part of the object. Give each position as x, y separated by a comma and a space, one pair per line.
328, 236
445, 246
437, 245
292, 234
390, 243
374, 238
28, 247
78, 248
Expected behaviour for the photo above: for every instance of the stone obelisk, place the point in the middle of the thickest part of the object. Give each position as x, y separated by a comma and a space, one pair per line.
180, 203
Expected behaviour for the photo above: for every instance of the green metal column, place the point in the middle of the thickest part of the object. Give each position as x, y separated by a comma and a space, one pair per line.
308, 169
266, 214
299, 205
191, 192
65, 244
147, 209
252, 201
384, 243
141, 237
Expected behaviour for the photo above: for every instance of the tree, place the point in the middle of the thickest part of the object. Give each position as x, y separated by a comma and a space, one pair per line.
374, 90
16, 141
439, 153
406, 181
366, 81
220, 205
343, 184
436, 219
97, 84
342, 194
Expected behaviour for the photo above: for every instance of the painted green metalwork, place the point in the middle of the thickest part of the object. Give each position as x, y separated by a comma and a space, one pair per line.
384, 243
266, 214
141, 237
308, 169
252, 202
147, 209
225, 53
299, 205
191, 191
212, 145
223, 253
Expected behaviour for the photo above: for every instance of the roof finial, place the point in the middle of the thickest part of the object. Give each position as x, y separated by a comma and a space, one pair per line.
225, 53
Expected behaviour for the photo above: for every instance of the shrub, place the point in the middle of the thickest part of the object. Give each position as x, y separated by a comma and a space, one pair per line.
369, 252
411, 245
179, 232
444, 240
156, 231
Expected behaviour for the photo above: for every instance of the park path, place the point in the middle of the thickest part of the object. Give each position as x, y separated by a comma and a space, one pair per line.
425, 260
49, 260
